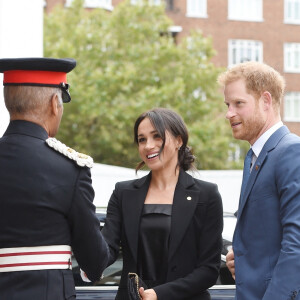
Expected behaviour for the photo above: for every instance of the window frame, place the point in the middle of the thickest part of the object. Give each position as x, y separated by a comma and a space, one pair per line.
291, 53
155, 2
255, 45
150, 2
198, 13
236, 13
106, 4
289, 8
290, 107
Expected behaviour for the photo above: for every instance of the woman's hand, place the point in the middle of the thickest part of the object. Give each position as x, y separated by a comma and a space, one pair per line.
84, 276
147, 294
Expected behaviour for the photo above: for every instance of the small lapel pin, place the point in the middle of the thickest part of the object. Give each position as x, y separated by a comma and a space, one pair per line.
188, 198
256, 167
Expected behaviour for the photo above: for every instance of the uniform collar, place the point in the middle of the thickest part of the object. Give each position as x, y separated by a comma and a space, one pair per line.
26, 128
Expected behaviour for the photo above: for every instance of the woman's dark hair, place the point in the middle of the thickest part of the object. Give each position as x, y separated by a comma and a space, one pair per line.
164, 119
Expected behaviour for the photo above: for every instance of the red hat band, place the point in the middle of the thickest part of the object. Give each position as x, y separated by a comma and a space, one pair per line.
35, 77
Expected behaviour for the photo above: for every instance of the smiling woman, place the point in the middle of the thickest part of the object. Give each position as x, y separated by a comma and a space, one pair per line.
145, 216
151, 149
162, 134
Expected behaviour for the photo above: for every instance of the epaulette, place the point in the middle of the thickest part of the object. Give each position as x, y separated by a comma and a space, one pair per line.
81, 159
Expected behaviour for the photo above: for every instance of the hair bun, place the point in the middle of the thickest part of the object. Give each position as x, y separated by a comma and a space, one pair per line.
186, 158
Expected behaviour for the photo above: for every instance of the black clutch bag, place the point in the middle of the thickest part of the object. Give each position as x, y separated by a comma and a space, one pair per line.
134, 284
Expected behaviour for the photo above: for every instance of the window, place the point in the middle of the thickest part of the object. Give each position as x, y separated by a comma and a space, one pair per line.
151, 2
244, 50
292, 107
292, 57
169, 4
94, 3
292, 11
245, 10
234, 153
155, 2
196, 8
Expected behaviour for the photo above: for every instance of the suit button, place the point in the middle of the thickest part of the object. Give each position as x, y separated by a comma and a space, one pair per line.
174, 269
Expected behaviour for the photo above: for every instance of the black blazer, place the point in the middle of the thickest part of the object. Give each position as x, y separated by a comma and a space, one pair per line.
45, 199
195, 238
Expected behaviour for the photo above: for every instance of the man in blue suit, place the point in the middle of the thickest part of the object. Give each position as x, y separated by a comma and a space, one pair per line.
265, 260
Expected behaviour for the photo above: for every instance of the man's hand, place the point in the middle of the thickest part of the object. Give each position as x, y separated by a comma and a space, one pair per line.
230, 262
147, 294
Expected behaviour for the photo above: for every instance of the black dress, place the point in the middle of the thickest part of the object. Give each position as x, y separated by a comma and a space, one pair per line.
154, 236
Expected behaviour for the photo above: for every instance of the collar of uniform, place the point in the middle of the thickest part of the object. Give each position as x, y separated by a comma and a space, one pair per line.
26, 128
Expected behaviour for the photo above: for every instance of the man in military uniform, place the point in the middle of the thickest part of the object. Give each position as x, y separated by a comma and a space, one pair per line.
46, 194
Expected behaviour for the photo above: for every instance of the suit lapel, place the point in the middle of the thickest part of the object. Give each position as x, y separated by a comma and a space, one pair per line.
269, 146
132, 206
184, 205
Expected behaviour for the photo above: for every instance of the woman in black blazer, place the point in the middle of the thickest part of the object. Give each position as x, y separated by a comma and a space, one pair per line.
168, 224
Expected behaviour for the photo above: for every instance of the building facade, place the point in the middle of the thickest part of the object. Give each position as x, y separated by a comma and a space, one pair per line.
261, 30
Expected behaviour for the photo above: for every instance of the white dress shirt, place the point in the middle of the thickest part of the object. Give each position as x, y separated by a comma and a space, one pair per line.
259, 144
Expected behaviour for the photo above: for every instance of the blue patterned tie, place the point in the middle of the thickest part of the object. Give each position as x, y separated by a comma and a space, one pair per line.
246, 172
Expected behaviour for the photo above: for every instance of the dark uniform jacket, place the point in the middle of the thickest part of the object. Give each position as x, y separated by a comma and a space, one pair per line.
195, 239
45, 199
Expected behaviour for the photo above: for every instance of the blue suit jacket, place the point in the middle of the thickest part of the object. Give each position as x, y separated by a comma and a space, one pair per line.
267, 236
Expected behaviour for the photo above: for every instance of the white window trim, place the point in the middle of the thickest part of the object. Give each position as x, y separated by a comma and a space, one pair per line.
175, 29
291, 20
231, 47
150, 2
89, 5
292, 97
235, 153
291, 50
191, 14
238, 17
153, 2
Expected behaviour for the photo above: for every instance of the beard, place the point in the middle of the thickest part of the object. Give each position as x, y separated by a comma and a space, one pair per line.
251, 127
